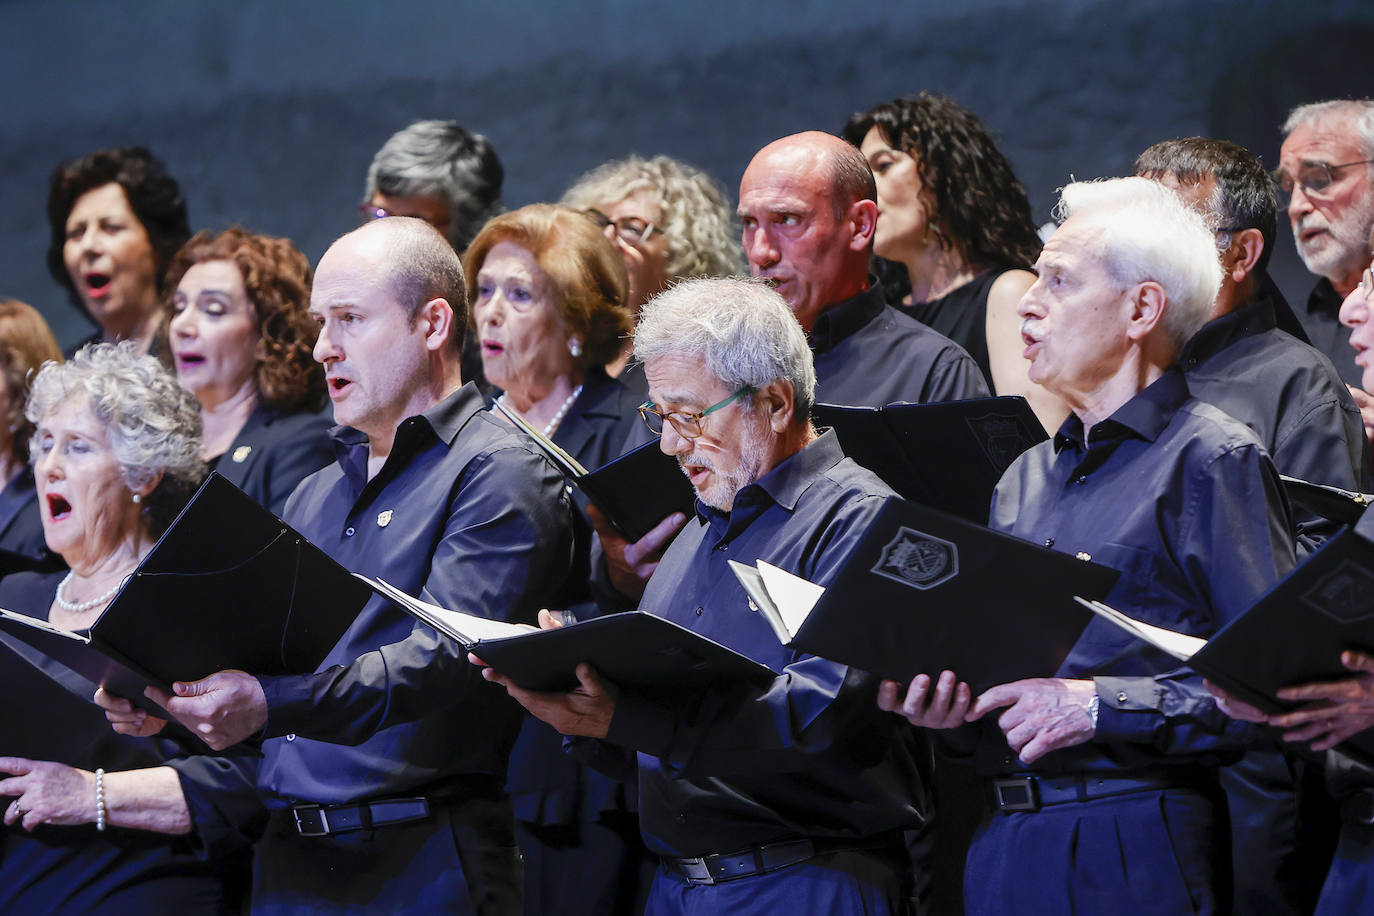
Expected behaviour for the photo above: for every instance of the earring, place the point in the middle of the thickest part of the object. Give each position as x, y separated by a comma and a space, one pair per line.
138, 498
575, 347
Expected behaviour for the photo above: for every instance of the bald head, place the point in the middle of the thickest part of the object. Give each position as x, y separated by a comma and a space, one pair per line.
412, 260
808, 208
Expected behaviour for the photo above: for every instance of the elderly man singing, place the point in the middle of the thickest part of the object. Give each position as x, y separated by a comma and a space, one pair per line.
790, 798
1104, 797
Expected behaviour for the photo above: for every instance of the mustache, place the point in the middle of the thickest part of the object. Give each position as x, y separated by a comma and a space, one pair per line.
695, 460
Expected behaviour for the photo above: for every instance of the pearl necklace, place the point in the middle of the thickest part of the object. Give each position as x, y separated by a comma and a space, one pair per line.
558, 417
76, 607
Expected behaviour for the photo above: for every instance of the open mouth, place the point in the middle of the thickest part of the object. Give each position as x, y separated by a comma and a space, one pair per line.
58, 507
337, 384
98, 284
188, 360
492, 348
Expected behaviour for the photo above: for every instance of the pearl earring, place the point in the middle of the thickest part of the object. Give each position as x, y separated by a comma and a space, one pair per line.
138, 498
575, 347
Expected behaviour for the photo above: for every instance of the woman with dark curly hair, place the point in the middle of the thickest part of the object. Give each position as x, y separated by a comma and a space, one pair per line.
239, 337
26, 343
953, 213
116, 218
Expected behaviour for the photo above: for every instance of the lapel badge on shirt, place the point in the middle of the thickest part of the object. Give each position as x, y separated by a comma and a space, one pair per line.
241, 453
383, 518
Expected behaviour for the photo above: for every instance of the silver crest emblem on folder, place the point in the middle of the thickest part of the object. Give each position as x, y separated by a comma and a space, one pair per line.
383, 518
915, 558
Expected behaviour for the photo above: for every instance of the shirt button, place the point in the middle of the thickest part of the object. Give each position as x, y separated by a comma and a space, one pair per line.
1121, 696
1080, 480
682, 818
1049, 542
699, 610
348, 532
722, 546
291, 737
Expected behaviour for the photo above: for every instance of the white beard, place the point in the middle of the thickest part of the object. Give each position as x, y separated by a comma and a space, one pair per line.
1345, 248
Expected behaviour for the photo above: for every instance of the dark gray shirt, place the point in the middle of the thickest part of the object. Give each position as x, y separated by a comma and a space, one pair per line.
1320, 318
869, 354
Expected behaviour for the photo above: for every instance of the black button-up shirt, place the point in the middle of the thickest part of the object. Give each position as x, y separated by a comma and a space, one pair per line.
1321, 320
869, 354
1183, 500
465, 511
811, 755
1286, 391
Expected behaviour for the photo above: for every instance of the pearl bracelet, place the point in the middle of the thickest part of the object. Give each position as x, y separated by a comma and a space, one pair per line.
100, 813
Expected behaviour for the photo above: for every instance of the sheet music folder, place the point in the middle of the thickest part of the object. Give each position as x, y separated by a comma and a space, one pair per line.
948, 455
630, 648
228, 585
635, 491
1294, 634
924, 591
46, 719
1334, 503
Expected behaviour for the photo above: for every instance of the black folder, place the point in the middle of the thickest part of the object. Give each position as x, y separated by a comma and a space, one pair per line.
948, 455
1342, 506
1294, 634
633, 648
923, 591
635, 491
45, 718
228, 585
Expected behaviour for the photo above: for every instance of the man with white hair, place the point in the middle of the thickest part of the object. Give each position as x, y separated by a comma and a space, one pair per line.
791, 797
1326, 179
1105, 798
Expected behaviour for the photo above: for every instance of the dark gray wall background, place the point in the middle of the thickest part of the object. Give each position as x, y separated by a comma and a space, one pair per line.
269, 112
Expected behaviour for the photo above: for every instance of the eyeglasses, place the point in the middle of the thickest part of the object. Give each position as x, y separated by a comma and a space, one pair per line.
686, 422
371, 212
1367, 284
631, 229
1313, 177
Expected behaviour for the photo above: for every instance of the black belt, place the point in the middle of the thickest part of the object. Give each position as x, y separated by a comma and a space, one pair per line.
1029, 792
324, 820
767, 857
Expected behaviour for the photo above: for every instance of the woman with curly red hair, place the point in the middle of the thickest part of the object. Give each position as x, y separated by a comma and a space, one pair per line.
239, 337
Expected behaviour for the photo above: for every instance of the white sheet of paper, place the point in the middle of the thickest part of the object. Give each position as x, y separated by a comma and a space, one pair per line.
1180, 645
44, 625
472, 626
793, 595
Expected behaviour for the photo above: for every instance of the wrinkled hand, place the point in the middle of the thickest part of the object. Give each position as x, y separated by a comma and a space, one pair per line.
126, 718
1045, 714
630, 564
585, 710
1365, 401
1233, 707
223, 709
1334, 710
943, 706
46, 793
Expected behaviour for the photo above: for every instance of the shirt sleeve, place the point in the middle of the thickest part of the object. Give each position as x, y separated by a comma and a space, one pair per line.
507, 547
1235, 542
954, 377
227, 813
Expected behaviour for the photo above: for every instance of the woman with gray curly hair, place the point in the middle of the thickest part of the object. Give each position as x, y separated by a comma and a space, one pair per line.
116, 455
669, 220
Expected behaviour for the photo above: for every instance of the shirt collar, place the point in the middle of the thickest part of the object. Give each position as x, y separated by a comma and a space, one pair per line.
442, 421
846, 318
1144, 416
785, 484
1324, 298
1219, 333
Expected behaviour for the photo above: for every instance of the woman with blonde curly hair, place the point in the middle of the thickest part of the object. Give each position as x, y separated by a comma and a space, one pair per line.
239, 337
668, 220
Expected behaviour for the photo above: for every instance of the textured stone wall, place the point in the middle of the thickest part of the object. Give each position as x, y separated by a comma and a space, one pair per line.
268, 112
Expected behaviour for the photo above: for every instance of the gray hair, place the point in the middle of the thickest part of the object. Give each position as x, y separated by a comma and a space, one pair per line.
152, 422
1149, 233
743, 329
1355, 114
441, 160
695, 215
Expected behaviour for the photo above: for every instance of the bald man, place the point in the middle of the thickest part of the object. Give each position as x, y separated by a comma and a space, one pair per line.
808, 206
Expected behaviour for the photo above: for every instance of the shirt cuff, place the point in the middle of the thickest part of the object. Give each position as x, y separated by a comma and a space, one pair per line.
1128, 708
289, 701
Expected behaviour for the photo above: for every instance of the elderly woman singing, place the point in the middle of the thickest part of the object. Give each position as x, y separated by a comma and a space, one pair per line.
116, 455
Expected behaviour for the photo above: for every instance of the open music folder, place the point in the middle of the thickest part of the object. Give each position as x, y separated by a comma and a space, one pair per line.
228, 585
630, 648
948, 455
1294, 634
923, 591
635, 491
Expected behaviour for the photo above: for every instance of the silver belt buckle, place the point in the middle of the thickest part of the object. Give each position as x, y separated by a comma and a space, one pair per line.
306, 831
1016, 793
698, 872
